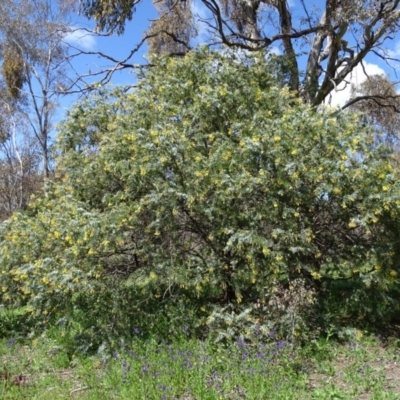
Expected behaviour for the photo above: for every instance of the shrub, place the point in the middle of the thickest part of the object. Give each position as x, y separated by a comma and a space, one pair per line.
208, 185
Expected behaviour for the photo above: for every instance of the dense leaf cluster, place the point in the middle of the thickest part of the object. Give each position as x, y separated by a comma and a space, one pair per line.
209, 185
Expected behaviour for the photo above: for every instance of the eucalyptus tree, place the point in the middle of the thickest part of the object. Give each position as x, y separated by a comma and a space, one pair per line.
34, 60
379, 102
19, 163
322, 42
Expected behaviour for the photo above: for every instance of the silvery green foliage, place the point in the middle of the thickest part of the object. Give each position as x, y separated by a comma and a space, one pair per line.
208, 186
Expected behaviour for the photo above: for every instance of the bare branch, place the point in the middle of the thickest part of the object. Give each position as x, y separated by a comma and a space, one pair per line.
378, 99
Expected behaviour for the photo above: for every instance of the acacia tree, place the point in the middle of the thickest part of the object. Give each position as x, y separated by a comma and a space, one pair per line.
34, 60
218, 194
335, 37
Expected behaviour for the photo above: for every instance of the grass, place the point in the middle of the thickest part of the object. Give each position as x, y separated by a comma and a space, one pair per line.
187, 369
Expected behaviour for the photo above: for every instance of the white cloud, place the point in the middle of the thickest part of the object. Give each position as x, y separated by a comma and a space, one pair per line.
395, 53
342, 94
80, 38
275, 50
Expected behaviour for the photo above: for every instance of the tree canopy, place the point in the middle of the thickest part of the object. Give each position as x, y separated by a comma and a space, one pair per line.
322, 42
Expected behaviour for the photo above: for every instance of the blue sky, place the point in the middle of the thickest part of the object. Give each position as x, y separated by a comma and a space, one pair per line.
119, 47
115, 46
